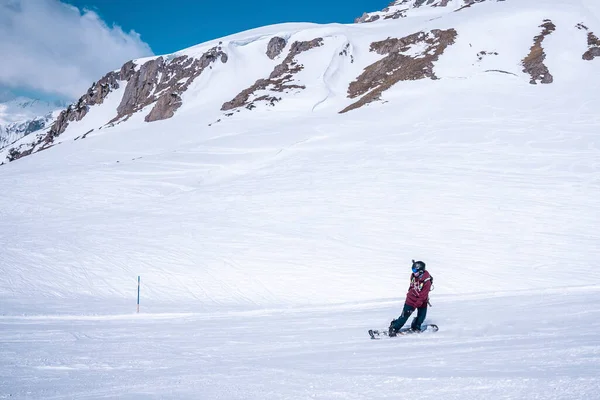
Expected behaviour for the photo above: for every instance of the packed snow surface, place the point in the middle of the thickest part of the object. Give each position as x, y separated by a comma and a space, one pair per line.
532, 345
270, 242
266, 253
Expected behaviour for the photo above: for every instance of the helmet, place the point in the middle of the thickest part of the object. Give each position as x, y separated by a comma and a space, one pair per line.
418, 266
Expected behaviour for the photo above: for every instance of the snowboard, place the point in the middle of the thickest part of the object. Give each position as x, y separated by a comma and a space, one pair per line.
378, 334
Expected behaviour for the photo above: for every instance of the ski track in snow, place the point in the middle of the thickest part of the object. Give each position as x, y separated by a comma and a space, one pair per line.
489, 348
297, 216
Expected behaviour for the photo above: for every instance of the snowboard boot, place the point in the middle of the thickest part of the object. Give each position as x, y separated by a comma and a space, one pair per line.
414, 327
391, 330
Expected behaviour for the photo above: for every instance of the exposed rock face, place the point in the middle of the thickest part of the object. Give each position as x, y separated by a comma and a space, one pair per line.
75, 112
432, 3
593, 44
165, 107
15, 154
534, 62
278, 81
95, 95
162, 82
139, 87
157, 81
396, 14
419, 3
396, 67
594, 50
469, 3
366, 18
275, 47
153, 80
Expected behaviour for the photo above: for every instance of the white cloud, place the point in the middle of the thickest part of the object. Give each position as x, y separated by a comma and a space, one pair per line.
51, 47
5, 94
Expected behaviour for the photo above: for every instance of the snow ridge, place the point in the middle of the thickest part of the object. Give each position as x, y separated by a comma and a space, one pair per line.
407, 8
269, 70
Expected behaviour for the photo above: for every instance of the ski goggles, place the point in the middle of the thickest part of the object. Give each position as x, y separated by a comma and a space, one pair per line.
415, 270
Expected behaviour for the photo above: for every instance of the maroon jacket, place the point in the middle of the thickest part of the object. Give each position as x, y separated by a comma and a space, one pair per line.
418, 291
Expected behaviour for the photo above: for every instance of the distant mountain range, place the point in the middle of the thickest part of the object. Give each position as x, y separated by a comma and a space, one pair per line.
21, 116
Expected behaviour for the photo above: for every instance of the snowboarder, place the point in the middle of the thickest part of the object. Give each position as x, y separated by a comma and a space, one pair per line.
417, 298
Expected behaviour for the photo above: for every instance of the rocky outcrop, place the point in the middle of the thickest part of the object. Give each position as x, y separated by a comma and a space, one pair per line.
366, 18
533, 63
279, 80
594, 47
420, 3
275, 47
396, 14
593, 44
162, 82
165, 107
15, 154
396, 66
155, 80
140, 87
159, 81
469, 3
95, 95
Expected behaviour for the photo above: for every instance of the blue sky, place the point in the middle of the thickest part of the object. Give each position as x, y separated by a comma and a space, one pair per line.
55, 49
176, 24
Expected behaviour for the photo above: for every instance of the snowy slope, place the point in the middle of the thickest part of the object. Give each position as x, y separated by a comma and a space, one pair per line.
475, 149
400, 9
253, 210
338, 204
312, 353
337, 74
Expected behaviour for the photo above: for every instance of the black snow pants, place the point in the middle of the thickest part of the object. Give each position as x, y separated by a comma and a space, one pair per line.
397, 324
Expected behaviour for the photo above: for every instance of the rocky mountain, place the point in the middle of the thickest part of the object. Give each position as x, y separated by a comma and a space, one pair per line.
405, 8
21, 116
263, 195
293, 69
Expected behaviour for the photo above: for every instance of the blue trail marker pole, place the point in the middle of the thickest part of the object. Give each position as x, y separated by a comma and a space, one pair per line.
138, 301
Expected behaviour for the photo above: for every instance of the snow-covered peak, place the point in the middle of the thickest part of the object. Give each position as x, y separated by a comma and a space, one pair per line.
405, 8
23, 108
307, 68
270, 188
22, 116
